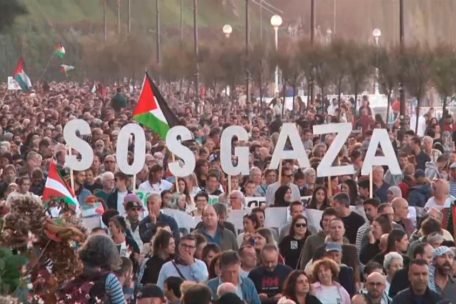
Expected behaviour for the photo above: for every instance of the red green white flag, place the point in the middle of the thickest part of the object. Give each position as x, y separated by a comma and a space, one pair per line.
59, 50
21, 77
152, 110
57, 189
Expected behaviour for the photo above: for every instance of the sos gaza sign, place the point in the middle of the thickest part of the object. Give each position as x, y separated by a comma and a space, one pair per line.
186, 166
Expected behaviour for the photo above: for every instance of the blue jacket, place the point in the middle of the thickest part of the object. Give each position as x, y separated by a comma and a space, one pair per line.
249, 293
147, 229
419, 195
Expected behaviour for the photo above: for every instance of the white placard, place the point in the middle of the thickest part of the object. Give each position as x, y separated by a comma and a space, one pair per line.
12, 84
253, 202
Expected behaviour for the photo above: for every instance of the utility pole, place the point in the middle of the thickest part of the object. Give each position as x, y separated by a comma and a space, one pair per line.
129, 16
247, 74
402, 44
195, 40
157, 33
105, 27
312, 38
261, 21
181, 25
118, 17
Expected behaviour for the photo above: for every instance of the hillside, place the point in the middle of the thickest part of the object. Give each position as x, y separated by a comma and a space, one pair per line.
72, 21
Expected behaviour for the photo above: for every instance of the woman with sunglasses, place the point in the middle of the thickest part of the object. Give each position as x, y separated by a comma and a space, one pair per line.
290, 247
297, 289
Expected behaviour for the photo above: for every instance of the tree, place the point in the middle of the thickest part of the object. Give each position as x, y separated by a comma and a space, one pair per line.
259, 66
387, 62
286, 59
359, 67
416, 73
444, 72
339, 62
305, 56
9, 10
321, 68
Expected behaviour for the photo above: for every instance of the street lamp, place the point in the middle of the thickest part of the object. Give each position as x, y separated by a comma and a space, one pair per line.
377, 33
276, 22
227, 30
328, 36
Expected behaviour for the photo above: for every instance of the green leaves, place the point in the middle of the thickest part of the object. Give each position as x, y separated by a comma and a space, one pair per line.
10, 270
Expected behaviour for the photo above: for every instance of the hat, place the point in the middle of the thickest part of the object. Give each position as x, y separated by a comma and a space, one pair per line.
453, 165
439, 251
150, 291
419, 173
332, 246
229, 298
131, 200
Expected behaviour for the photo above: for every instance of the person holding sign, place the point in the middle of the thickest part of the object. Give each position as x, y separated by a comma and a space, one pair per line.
155, 183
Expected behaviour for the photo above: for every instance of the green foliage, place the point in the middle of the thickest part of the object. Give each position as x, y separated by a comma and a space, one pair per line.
10, 270
9, 10
444, 71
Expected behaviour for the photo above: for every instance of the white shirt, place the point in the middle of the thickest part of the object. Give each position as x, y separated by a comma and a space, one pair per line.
421, 125
431, 203
329, 295
155, 188
120, 202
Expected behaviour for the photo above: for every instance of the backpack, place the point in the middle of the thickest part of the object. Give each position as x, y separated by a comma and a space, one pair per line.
84, 289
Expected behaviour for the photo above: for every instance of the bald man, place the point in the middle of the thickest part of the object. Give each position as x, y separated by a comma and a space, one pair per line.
226, 287
442, 198
360, 299
214, 232
375, 289
401, 210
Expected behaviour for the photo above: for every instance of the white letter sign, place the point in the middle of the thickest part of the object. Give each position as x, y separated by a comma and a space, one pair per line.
74, 142
380, 137
242, 153
139, 151
178, 149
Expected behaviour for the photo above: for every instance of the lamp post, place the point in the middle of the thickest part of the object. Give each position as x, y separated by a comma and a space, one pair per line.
227, 30
247, 73
196, 51
401, 84
276, 22
377, 33
157, 35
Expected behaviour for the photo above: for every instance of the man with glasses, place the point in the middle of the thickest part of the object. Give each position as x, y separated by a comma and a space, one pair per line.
375, 289
134, 208
109, 163
286, 180
185, 265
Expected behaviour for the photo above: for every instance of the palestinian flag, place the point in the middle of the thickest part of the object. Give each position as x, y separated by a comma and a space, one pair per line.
57, 189
22, 79
59, 50
152, 110
65, 68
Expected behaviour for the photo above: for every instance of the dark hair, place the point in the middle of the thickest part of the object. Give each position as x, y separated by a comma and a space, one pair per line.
364, 184
384, 222
211, 268
313, 200
352, 190
372, 201
430, 225
119, 221
382, 207
197, 294
228, 258
394, 236
293, 223
258, 209
419, 249
200, 239
163, 193
173, 284
188, 237
279, 196
161, 241
342, 198
252, 217
121, 175
289, 287
100, 251
202, 194
208, 248
370, 267
419, 262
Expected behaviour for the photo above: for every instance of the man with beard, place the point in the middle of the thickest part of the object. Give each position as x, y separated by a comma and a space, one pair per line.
375, 289
441, 281
269, 277
419, 292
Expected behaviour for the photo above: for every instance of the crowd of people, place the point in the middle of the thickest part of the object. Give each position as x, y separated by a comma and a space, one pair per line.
395, 245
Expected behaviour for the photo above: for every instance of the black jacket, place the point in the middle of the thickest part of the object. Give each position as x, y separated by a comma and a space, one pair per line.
112, 200
408, 297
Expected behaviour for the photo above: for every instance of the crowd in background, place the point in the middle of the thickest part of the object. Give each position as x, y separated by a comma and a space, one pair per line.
399, 249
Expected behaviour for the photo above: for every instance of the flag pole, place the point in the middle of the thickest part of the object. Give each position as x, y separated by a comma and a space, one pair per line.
229, 187
280, 172
71, 172
371, 184
329, 187
173, 158
46, 67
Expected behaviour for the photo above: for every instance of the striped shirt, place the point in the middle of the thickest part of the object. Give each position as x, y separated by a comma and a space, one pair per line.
114, 290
